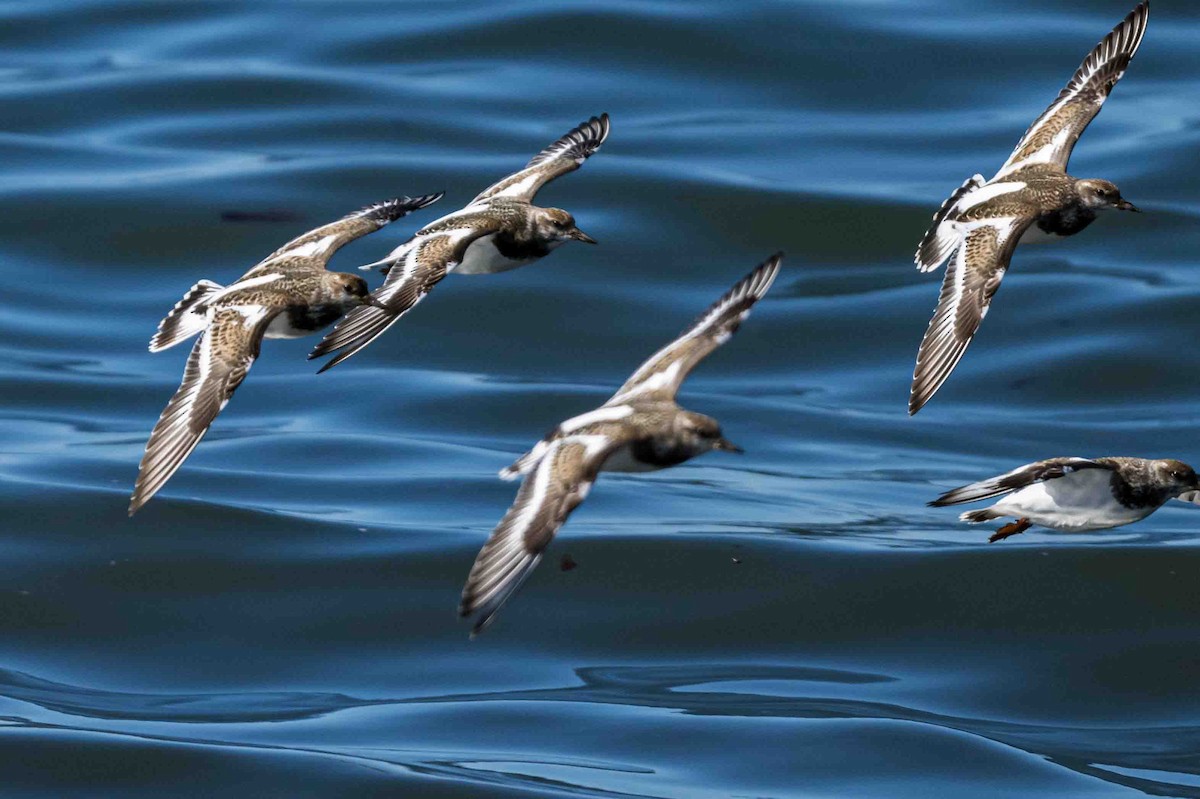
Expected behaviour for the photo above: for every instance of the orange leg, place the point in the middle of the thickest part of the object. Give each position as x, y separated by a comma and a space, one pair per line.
1010, 529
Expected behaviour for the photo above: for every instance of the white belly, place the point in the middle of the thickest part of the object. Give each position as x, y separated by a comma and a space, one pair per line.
482, 258
1082, 500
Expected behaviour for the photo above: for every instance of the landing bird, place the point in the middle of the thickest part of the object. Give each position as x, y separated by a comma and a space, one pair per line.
287, 295
1031, 198
499, 230
640, 429
1077, 494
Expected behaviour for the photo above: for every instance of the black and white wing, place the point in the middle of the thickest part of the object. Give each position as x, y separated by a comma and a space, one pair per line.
1052, 136
317, 246
1192, 497
415, 268
565, 155
1019, 478
659, 377
972, 278
549, 493
217, 365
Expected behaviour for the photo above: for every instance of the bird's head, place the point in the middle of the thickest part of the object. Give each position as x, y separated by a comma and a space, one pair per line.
1177, 475
558, 226
350, 290
1100, 194
703, 433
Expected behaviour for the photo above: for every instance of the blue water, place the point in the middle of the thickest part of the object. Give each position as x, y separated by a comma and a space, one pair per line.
791, 623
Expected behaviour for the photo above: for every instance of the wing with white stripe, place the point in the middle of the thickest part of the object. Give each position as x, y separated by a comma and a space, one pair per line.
972, 278
1052, 136
659, 377
549, 493
1021, 477
217, 365
416, 267
317, 246
565, 155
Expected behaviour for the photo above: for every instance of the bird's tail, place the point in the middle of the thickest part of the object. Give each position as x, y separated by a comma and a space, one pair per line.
187, 318
942, 238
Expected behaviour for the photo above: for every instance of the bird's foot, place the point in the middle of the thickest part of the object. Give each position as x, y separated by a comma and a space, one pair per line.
1010, 529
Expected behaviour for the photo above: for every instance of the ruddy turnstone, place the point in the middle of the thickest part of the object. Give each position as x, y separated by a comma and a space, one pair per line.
1077, 494
287, 295
1031, 198
640, 429
499, 230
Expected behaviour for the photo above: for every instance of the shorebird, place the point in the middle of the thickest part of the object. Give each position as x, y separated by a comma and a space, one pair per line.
640, 429
500, 229
1077, 494
286, 295
1031, 198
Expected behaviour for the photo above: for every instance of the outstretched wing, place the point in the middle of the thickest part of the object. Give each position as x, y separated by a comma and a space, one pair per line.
1019, 478
565, 155
219, 362
1052, 136
659, 377
967, 290
416, 267
317, 246
547, 496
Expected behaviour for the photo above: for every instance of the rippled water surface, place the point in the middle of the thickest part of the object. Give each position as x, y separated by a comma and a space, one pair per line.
791, 623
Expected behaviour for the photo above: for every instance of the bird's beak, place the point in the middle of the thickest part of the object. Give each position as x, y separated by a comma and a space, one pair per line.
725, 445
1125, 205
579, 235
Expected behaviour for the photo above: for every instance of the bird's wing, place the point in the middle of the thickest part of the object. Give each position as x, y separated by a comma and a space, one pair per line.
1192, 497
565, 155
1052, 136
549, 493
972, 278
416, 268
317, 246
659, 377
219, 362
1019, 478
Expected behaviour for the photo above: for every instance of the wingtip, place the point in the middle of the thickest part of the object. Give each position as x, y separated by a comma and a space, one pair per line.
919, 398
136, 501
396, 207
762, 277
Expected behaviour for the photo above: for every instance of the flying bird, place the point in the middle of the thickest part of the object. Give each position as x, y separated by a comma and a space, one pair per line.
287, 295
1077, 494
501, 229
640, 429
1031, 198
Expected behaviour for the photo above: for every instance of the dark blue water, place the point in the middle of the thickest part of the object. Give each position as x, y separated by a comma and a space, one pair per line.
792, 623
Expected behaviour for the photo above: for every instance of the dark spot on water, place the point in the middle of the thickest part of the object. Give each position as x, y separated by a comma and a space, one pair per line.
270, 215
567, 563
